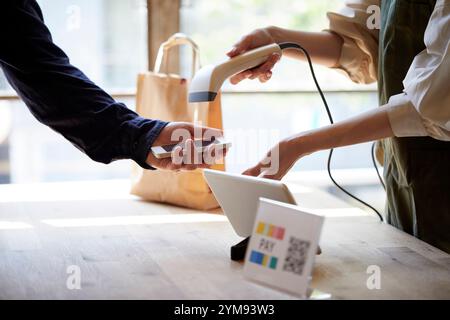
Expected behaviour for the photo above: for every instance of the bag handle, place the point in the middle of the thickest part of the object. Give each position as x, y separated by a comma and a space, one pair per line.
178, 39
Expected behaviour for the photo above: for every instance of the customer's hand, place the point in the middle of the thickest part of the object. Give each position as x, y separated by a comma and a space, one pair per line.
255, 39
185, 156
278, 160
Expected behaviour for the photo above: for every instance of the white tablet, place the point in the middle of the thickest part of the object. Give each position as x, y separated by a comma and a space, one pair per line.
238, 195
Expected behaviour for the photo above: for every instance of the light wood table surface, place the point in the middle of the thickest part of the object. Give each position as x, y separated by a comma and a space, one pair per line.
129, 249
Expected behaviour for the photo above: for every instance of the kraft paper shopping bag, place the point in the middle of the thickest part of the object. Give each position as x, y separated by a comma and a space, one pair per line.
161, 95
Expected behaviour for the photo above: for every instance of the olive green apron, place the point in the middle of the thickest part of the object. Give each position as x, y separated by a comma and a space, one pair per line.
416, 169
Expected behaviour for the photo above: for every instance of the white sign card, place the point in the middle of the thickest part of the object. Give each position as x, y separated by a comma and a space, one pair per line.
283, 246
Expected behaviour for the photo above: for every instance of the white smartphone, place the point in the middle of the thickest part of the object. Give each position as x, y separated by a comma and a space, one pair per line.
166, 150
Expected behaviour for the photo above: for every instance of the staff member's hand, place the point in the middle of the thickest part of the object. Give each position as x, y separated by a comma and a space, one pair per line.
186, 156
255, 39
276, 163
278, 160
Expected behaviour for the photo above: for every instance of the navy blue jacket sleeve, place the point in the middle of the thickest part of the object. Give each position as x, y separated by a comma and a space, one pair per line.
62, 97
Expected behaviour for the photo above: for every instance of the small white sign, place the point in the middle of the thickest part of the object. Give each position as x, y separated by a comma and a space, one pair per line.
283, 246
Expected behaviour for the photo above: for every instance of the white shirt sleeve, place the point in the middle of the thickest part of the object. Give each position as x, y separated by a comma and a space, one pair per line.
423, 109
359, 53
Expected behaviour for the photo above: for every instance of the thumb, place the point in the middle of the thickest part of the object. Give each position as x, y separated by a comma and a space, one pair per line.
201, 132
267, 175
210, 134
253, 171
240, 47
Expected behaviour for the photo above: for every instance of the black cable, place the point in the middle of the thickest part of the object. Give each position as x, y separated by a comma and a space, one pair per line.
376, 166
287, 45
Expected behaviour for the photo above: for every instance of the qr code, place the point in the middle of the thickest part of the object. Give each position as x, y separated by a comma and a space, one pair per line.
296, 255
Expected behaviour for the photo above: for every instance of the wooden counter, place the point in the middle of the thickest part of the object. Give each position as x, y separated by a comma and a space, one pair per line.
129, 249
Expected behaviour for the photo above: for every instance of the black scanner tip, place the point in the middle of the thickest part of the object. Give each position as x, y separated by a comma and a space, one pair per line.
202, 96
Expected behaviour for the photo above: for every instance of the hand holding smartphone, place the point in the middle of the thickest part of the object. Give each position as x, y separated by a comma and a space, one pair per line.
174, 147
165, 151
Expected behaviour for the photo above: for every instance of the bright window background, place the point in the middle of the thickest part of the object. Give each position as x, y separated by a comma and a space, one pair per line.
217, 25
107, 40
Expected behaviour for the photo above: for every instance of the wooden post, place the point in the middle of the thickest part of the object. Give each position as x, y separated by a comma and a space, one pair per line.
163, 21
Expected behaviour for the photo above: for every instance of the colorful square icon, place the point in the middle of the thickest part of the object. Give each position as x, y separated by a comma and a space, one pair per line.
270, 230
263, 259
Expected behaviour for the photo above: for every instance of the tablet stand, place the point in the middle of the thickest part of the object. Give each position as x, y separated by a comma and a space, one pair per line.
238, 250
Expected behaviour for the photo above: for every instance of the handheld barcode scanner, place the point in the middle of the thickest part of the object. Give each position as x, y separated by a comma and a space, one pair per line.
209, 79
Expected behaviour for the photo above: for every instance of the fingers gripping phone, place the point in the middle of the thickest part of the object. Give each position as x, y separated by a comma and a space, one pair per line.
165, 151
